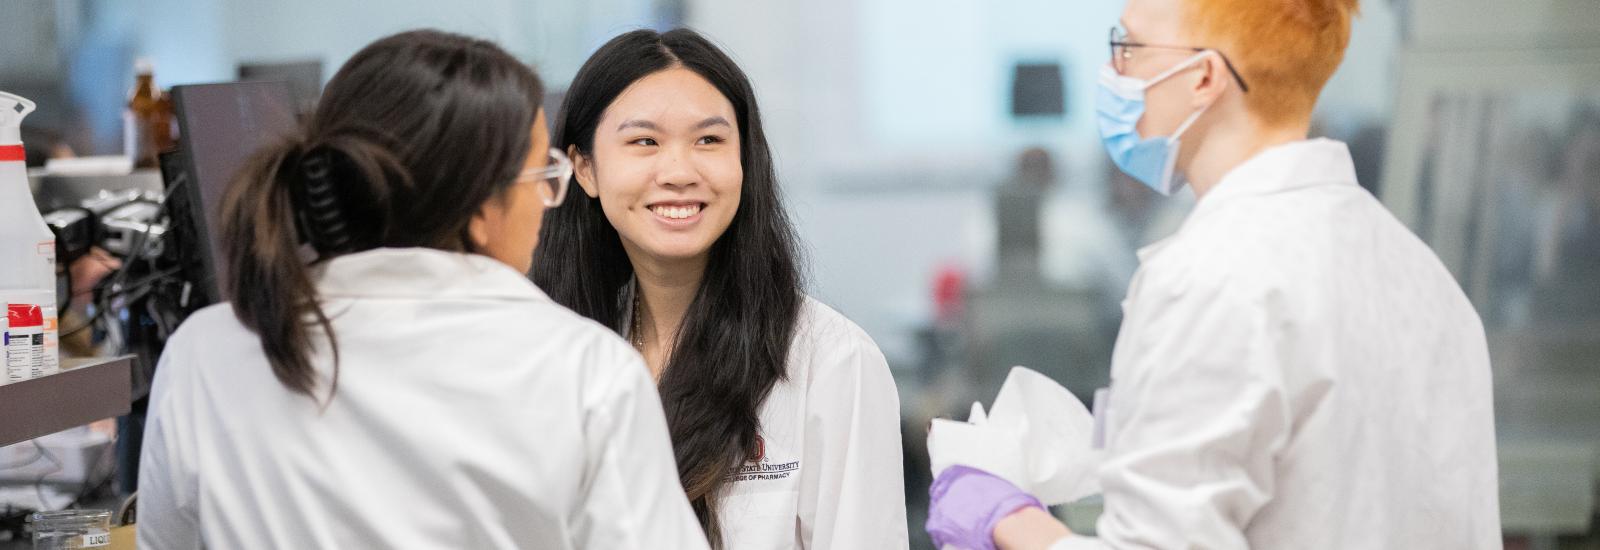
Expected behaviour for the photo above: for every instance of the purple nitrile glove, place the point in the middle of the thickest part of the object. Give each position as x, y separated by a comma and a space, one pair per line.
966, 503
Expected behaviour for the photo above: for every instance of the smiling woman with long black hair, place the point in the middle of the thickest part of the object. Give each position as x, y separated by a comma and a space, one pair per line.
783, 414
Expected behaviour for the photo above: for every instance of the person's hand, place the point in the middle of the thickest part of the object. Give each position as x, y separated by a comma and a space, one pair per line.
87, 272
966, 503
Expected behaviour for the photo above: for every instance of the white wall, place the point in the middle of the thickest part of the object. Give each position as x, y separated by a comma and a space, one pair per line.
333, 30
186, 39
1363, 89
888, 83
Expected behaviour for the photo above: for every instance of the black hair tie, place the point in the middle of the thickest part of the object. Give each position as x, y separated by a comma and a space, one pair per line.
318, 209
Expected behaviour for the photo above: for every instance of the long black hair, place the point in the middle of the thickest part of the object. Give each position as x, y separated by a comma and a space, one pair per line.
412, 137
734, 340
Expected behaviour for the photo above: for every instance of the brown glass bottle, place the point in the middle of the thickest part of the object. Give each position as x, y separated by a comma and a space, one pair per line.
148, 121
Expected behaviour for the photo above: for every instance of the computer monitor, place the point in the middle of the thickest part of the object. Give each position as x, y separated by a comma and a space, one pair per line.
304, 79
220, 127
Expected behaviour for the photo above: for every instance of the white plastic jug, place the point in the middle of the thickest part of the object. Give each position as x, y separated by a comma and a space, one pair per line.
27, 247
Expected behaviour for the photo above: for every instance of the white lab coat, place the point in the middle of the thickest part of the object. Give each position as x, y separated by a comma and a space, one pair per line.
471, 412
1297, 370
830, 475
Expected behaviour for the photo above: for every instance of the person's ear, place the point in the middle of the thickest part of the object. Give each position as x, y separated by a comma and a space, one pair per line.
479, 229
583, 171
1214, 80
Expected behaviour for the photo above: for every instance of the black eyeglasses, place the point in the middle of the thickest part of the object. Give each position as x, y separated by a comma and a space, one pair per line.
1120, 54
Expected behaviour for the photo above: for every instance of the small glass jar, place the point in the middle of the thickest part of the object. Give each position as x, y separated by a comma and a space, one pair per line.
71, 529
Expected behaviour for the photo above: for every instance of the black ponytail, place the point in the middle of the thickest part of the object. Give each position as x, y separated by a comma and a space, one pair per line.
414, 134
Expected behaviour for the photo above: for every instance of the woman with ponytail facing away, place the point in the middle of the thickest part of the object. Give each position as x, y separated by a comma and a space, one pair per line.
383, 375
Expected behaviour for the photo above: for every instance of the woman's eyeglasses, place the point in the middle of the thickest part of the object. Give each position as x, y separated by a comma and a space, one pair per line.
553, 178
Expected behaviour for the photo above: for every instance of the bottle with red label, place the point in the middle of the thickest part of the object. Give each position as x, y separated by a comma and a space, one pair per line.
24, 342
42, 303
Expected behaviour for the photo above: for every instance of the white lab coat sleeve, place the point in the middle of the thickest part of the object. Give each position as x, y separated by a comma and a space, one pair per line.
632, 496
1198, 415
852, 483
169, 493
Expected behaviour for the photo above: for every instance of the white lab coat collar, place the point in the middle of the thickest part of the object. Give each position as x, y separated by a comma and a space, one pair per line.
422, 272
1286, 167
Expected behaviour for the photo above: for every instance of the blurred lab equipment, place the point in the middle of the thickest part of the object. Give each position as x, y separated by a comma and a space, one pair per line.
1063, 328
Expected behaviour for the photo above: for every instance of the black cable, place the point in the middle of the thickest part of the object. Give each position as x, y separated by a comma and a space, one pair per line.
38, 484
103, 303
137, 251
138, 283
29, 462
89, 489
116, 279
63, 306
135, 254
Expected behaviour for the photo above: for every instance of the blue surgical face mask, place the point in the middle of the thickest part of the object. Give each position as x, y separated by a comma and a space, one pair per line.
1120, 104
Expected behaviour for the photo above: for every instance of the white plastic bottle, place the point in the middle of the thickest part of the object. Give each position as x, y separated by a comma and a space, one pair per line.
27, 255
27, 247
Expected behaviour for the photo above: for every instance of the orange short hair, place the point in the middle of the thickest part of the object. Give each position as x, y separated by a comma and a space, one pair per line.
1286, 50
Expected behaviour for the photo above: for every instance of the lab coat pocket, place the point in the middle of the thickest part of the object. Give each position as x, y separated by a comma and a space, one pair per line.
767, 520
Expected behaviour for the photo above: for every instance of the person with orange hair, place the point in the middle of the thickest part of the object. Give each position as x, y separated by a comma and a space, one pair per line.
1295, 368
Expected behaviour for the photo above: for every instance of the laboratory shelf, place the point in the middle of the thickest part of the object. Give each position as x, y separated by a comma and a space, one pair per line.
86, 390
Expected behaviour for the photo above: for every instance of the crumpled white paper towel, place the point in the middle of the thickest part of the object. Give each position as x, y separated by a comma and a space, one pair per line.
1036, 435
